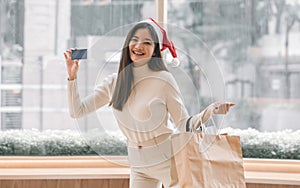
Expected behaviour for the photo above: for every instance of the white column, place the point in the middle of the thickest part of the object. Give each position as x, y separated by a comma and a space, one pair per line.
0, 92
161, 10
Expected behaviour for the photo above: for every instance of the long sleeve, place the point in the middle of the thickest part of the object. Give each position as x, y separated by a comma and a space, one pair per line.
178, 111
100, 97
200, 118
175, 104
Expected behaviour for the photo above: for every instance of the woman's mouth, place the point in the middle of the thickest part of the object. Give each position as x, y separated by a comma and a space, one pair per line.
138, 53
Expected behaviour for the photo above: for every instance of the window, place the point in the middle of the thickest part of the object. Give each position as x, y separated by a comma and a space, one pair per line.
32, 67
253, 44
33, 78
246, 52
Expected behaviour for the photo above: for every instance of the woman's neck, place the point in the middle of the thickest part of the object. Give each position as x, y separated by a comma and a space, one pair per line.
139, 64
141, 71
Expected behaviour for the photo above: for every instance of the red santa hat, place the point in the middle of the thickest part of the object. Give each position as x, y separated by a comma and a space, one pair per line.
164, 41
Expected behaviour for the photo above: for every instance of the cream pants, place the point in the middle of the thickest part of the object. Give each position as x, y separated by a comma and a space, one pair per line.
150, 165
151, 177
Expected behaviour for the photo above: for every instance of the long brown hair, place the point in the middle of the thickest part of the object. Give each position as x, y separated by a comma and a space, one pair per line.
125, 74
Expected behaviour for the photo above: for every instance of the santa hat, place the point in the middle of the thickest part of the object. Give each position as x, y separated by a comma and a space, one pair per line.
164, 41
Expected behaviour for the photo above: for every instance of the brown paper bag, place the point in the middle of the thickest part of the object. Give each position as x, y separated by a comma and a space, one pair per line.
207, 161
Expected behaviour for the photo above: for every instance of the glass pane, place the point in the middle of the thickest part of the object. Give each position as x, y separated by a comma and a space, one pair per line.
33, 79
252, 46
11, 121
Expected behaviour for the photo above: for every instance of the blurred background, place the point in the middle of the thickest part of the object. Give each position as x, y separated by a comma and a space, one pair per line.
253, 44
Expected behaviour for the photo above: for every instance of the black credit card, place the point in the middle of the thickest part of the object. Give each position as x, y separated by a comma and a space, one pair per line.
79, 54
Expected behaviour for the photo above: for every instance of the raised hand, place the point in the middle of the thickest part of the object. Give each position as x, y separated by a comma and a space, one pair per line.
72, 65
215, 108
222, 108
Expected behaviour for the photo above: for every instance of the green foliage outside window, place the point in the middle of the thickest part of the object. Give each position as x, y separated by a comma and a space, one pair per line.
255, 144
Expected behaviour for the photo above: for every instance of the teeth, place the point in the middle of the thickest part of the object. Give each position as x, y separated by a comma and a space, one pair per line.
138, 53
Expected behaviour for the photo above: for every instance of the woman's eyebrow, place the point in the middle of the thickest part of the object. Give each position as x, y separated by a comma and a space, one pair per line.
144, 39
148, 39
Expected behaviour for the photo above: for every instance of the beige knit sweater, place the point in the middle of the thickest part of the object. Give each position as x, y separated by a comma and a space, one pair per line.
154, 98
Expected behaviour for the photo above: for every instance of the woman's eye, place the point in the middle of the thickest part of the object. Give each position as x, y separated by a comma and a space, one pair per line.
147, 43
134, 40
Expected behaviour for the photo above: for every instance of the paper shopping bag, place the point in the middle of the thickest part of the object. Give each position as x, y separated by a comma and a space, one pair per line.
207, 161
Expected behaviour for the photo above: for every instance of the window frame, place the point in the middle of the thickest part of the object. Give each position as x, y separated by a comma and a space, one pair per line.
269, 172
290, 167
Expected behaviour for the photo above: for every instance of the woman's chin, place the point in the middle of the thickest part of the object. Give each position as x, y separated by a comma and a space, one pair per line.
140, 62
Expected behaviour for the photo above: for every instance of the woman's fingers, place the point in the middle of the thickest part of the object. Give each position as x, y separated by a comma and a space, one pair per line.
72, 65
229, 105
222, 108
66, 56
76, 62
68, 53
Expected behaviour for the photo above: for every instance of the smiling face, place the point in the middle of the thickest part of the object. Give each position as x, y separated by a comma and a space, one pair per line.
141, 47
137, 50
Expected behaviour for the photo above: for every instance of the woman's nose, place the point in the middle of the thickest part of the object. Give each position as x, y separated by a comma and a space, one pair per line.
138, 45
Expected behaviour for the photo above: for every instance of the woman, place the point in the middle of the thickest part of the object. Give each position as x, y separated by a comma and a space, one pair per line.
142, 95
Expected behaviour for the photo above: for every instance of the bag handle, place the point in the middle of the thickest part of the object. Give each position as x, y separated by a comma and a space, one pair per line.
206, 135
206, 130
198, 120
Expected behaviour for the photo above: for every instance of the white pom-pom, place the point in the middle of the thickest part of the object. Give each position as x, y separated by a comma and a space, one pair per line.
175, 62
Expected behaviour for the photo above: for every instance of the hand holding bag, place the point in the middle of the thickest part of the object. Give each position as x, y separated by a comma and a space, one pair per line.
207, 161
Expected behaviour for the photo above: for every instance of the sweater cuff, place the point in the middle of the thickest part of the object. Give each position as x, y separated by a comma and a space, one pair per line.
72, 80
187, 126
